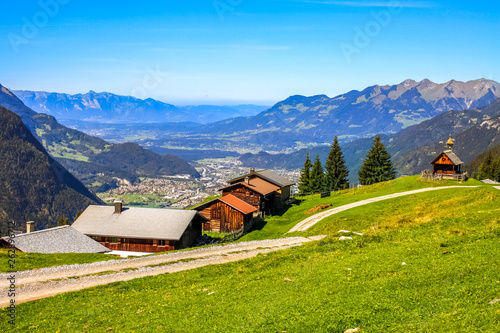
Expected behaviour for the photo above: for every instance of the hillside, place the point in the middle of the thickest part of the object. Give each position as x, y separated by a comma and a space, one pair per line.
68, 145
33, 186
111, 108
473, 166
421, 265
412, 148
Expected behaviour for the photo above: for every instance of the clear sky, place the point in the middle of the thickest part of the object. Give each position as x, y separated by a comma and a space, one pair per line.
243, 51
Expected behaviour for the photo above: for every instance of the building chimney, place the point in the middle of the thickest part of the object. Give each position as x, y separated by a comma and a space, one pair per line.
118, 206
247, 180
30, 226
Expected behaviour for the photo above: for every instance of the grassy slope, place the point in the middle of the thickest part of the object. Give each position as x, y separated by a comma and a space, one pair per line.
27, 261
449, 241
278, 225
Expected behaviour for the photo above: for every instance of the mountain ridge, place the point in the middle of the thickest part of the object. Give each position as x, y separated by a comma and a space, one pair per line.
66, 144
112, 108
33, 186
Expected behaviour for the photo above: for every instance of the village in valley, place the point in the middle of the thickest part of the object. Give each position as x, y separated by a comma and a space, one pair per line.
183, 191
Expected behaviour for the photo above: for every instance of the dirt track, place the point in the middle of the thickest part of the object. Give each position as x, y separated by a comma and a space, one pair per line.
37, 284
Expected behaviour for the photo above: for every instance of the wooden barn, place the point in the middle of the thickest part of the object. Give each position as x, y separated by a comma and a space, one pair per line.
447, 165
255, 192
282, 194
228, 214
140, 229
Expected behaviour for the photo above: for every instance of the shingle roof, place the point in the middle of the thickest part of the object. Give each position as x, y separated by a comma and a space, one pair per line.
268, 175
63, 239
238, 204
451, 155
144, 223
259, 185
232, 201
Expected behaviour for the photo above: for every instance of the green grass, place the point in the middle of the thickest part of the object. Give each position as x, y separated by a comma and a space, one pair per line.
278, 225
139, 200
26, 261
449, 241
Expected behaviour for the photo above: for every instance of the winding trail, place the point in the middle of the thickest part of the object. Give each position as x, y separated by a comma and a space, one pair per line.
312, 220
50, 281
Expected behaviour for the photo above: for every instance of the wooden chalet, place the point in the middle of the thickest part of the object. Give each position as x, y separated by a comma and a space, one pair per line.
228, 214
255, 192
283, 186
140, 229
447, 165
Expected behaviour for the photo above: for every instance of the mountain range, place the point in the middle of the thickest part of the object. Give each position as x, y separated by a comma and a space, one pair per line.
301, 121
412, 149
33, 186
111, 108
90, 158
304, 122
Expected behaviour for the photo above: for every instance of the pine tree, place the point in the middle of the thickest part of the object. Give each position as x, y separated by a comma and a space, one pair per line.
377, 166
317, 177
305, 176
63, 221
486, 170
496, 170
336, 170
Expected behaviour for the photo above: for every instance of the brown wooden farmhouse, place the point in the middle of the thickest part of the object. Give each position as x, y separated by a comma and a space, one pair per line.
262, 179
256, 192
140, 229
228, 214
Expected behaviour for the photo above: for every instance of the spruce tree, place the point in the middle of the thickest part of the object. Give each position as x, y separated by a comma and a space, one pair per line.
305, 176
377, 166
486, 170
317, 177
336, 170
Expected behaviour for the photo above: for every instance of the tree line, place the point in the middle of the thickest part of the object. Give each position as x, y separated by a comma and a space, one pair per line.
377, 167
490, 169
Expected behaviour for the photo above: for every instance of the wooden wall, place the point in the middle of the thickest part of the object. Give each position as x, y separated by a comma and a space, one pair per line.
223, 218
245, 194
137, 245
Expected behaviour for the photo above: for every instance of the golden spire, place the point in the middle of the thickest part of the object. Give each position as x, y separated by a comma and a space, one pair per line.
450, 144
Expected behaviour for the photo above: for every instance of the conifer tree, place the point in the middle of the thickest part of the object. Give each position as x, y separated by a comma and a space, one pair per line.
63, 221
305, 176
486, 170
377, 166
317, 177
336, 170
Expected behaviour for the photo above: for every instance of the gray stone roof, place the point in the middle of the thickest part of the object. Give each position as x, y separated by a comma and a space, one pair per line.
268, 175
133, 222
63, 239
451, 155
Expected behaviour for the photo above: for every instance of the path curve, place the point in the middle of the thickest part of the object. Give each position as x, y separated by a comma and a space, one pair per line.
50, 281
312, 220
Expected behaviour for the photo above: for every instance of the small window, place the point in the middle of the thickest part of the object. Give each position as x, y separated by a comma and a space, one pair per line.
161, 242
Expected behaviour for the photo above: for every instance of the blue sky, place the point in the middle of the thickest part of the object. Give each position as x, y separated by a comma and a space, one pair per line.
243, 51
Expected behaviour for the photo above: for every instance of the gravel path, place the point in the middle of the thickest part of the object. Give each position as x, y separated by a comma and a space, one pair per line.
46, 282
312, 220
